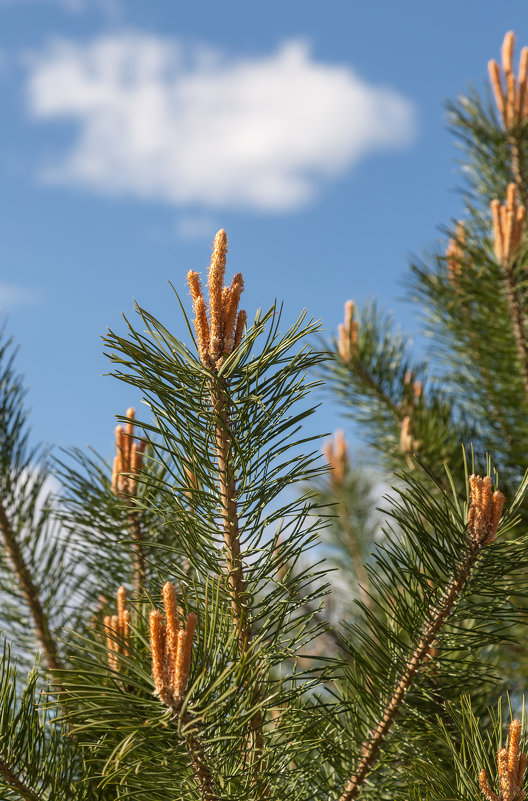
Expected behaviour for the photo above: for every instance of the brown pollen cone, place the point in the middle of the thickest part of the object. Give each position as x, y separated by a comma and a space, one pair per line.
216, 286
157, 651
231, 310
201, 323
173, 625
239, 329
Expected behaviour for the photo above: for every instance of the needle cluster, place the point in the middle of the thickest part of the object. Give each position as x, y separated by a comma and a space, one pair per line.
220, 332
511, 764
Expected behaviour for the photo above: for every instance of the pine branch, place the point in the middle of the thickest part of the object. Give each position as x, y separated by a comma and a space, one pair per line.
489, 383
30, 593
229, 512
519, 166
200, 766
483, 519
374, 385
517, 319
140, 568
397, 412
199, 762
230, 522
359, 568
14, 781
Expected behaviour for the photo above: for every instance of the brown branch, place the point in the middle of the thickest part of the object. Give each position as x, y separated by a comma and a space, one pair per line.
196, 752
140, 568
16, 782
30, 593
399, 414
359, 568
201, 770
365, 375
439, 614
230, 523
517, 318
519, 167
490, 384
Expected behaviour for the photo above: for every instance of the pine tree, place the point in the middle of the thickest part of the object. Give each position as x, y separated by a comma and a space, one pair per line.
175, 628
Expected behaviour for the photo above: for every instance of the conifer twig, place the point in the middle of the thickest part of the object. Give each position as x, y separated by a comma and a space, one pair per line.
458, 264
336, 452
140, 567
511, 97
14, 781
347, 349
508, 230
483, 519
30, 593
128, 464
516, 315
217, 338
230, 522
519, 166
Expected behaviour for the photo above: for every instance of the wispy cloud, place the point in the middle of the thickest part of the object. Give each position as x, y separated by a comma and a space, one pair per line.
194, 128
196, 226
15, 295
69, 5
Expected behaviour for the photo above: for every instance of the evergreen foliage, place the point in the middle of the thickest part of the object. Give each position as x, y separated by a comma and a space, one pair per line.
194, 644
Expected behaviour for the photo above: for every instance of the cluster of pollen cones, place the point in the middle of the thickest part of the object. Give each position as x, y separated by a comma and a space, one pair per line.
170, 648
485, 510
128, 461
117, 629
511, 93
508, 221
511, 768
455, 254
221, 332
336, 452
347, 334
508, 225
413, 393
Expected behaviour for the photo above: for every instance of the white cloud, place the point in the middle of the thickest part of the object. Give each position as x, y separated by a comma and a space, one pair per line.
193, 128
14, 295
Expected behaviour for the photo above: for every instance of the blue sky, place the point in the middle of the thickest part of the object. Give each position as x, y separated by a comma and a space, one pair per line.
314, 133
